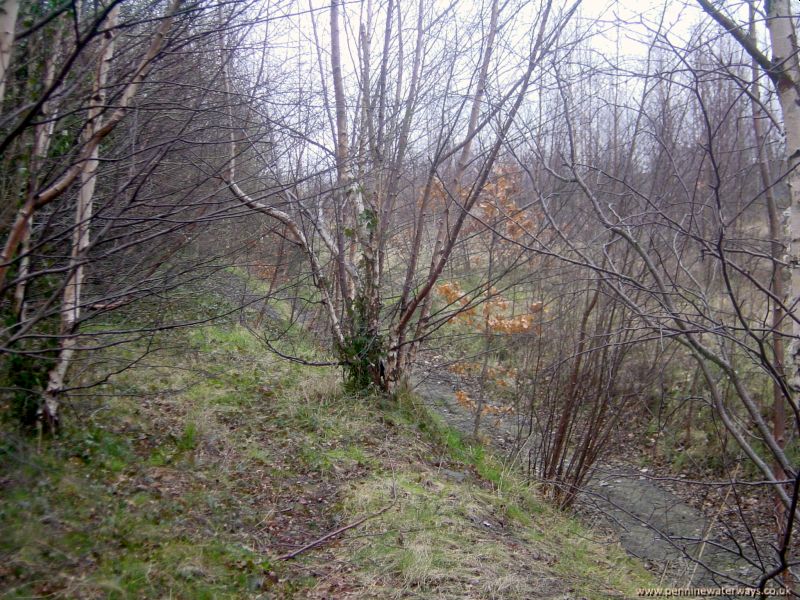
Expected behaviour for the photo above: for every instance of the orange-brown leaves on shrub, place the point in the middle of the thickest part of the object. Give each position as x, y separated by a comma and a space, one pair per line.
487, 409
464, 400
265, 272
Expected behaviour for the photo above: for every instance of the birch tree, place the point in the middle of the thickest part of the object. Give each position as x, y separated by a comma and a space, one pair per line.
47, 179
8, 20
55, 189
783, 70
372, 126
72, 299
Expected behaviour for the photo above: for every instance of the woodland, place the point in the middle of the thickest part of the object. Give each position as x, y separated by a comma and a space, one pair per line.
399, 298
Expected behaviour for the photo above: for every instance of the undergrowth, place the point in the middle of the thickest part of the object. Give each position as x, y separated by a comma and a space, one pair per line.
190, 476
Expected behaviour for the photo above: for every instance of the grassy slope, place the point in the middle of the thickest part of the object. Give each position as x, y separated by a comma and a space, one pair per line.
196, 473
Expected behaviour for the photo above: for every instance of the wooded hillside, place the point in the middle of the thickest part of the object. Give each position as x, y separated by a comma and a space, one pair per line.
463, 263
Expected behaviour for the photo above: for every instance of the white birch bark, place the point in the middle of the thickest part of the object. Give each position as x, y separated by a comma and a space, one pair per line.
81, 236
365, 217
8, 21
783, 37
59, 186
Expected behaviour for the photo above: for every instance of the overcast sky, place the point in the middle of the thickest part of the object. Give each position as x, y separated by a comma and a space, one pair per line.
634, 17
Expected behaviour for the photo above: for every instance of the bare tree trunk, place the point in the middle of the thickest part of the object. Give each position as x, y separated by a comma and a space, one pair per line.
487, 339
81, 236
422, 299
43, 134
777, 250
780, 24
444, 232
397, 352
364, 353
560, 440
8, 21
784, 71
59, 186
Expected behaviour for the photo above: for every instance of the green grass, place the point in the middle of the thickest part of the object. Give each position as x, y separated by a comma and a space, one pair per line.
193, 475
445, 539
136, 500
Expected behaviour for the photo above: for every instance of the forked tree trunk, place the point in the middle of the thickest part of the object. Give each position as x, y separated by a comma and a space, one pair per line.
364, 349
444, 233
56, 189
572, 393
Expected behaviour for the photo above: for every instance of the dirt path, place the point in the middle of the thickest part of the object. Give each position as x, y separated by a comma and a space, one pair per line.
650, 521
